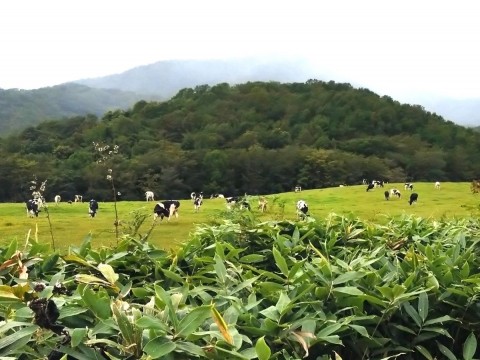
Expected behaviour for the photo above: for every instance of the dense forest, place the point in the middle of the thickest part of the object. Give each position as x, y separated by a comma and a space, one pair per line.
255, 138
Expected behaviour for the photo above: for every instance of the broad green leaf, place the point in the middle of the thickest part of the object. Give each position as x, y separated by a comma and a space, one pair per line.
220, 269
163, 296
262, 349
271, 313
108, 272
173, 276
282, 303
280, 261
158, 347
90, 279
190, 348
348, 276
360, 329
328, 330
423, 306
349, 290
151, 323
445, 351
77, 336
193, 320
98, 302
422, 350
440, 319
78, 260
50, 262
413, 313
127, 328
251, 258
470, 347
16, 336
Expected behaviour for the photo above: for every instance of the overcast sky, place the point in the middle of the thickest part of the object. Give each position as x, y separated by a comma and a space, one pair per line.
394, 47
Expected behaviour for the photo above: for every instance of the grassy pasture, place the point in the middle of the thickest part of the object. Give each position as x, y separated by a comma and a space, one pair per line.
71, 223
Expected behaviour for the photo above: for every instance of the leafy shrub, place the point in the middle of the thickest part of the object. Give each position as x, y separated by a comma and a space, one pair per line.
337, 288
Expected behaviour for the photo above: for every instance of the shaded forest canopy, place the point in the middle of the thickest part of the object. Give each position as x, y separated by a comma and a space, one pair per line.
255, 138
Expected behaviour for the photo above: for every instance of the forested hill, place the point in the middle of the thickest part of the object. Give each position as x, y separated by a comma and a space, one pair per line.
255, 138
22, 108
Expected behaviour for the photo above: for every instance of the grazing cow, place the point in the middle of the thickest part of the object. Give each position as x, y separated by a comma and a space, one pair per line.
149, 195
57, 199
364, 181
377, 183
409, 186
32, 208
387, 195
240, 200
262, 204
78, 198
298, 188
215, 196
302, 209
395, 192
413, 198
195, 195
92, 208
437, 185
370, 186
197, 202
166, 209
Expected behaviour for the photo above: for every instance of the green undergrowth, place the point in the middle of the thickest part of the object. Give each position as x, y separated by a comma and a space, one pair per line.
332, 288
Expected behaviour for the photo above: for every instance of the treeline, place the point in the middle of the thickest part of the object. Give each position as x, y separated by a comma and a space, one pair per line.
255, 138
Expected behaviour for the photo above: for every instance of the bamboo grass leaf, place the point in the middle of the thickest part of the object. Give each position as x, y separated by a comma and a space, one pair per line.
470, 347
423, 306
159, 347
413, 313
280, 261
262, 349
445, 351
192, 321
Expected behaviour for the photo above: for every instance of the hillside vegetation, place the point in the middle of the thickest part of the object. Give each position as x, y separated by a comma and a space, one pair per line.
254, 138
22, 108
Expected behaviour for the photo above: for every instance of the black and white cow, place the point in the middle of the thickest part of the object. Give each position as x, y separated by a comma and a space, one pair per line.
92, 208
195, 195
302, 209
395, 192
409, 186
437, 184
32, 208
387, 195
370, 186
167, 209
78, 198
57, 199
149, 195
217, 196
298, 188
197, 202
233, 201
413, 198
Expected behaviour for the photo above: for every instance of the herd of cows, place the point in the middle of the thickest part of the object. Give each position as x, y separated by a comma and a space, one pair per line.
169, 208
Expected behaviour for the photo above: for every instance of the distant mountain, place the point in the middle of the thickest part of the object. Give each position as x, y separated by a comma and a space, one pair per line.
166, 78
22, 108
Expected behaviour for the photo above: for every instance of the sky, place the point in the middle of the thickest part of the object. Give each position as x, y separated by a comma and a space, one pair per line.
400, 48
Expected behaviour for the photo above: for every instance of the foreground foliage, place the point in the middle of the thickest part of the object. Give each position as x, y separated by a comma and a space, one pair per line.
338, 288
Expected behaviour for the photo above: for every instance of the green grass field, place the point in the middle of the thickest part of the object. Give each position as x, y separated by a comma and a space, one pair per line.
71, 223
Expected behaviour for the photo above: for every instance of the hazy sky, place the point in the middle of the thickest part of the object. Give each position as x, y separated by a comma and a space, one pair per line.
393, 47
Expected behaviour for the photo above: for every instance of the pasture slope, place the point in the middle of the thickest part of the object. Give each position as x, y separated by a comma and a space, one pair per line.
71, 222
